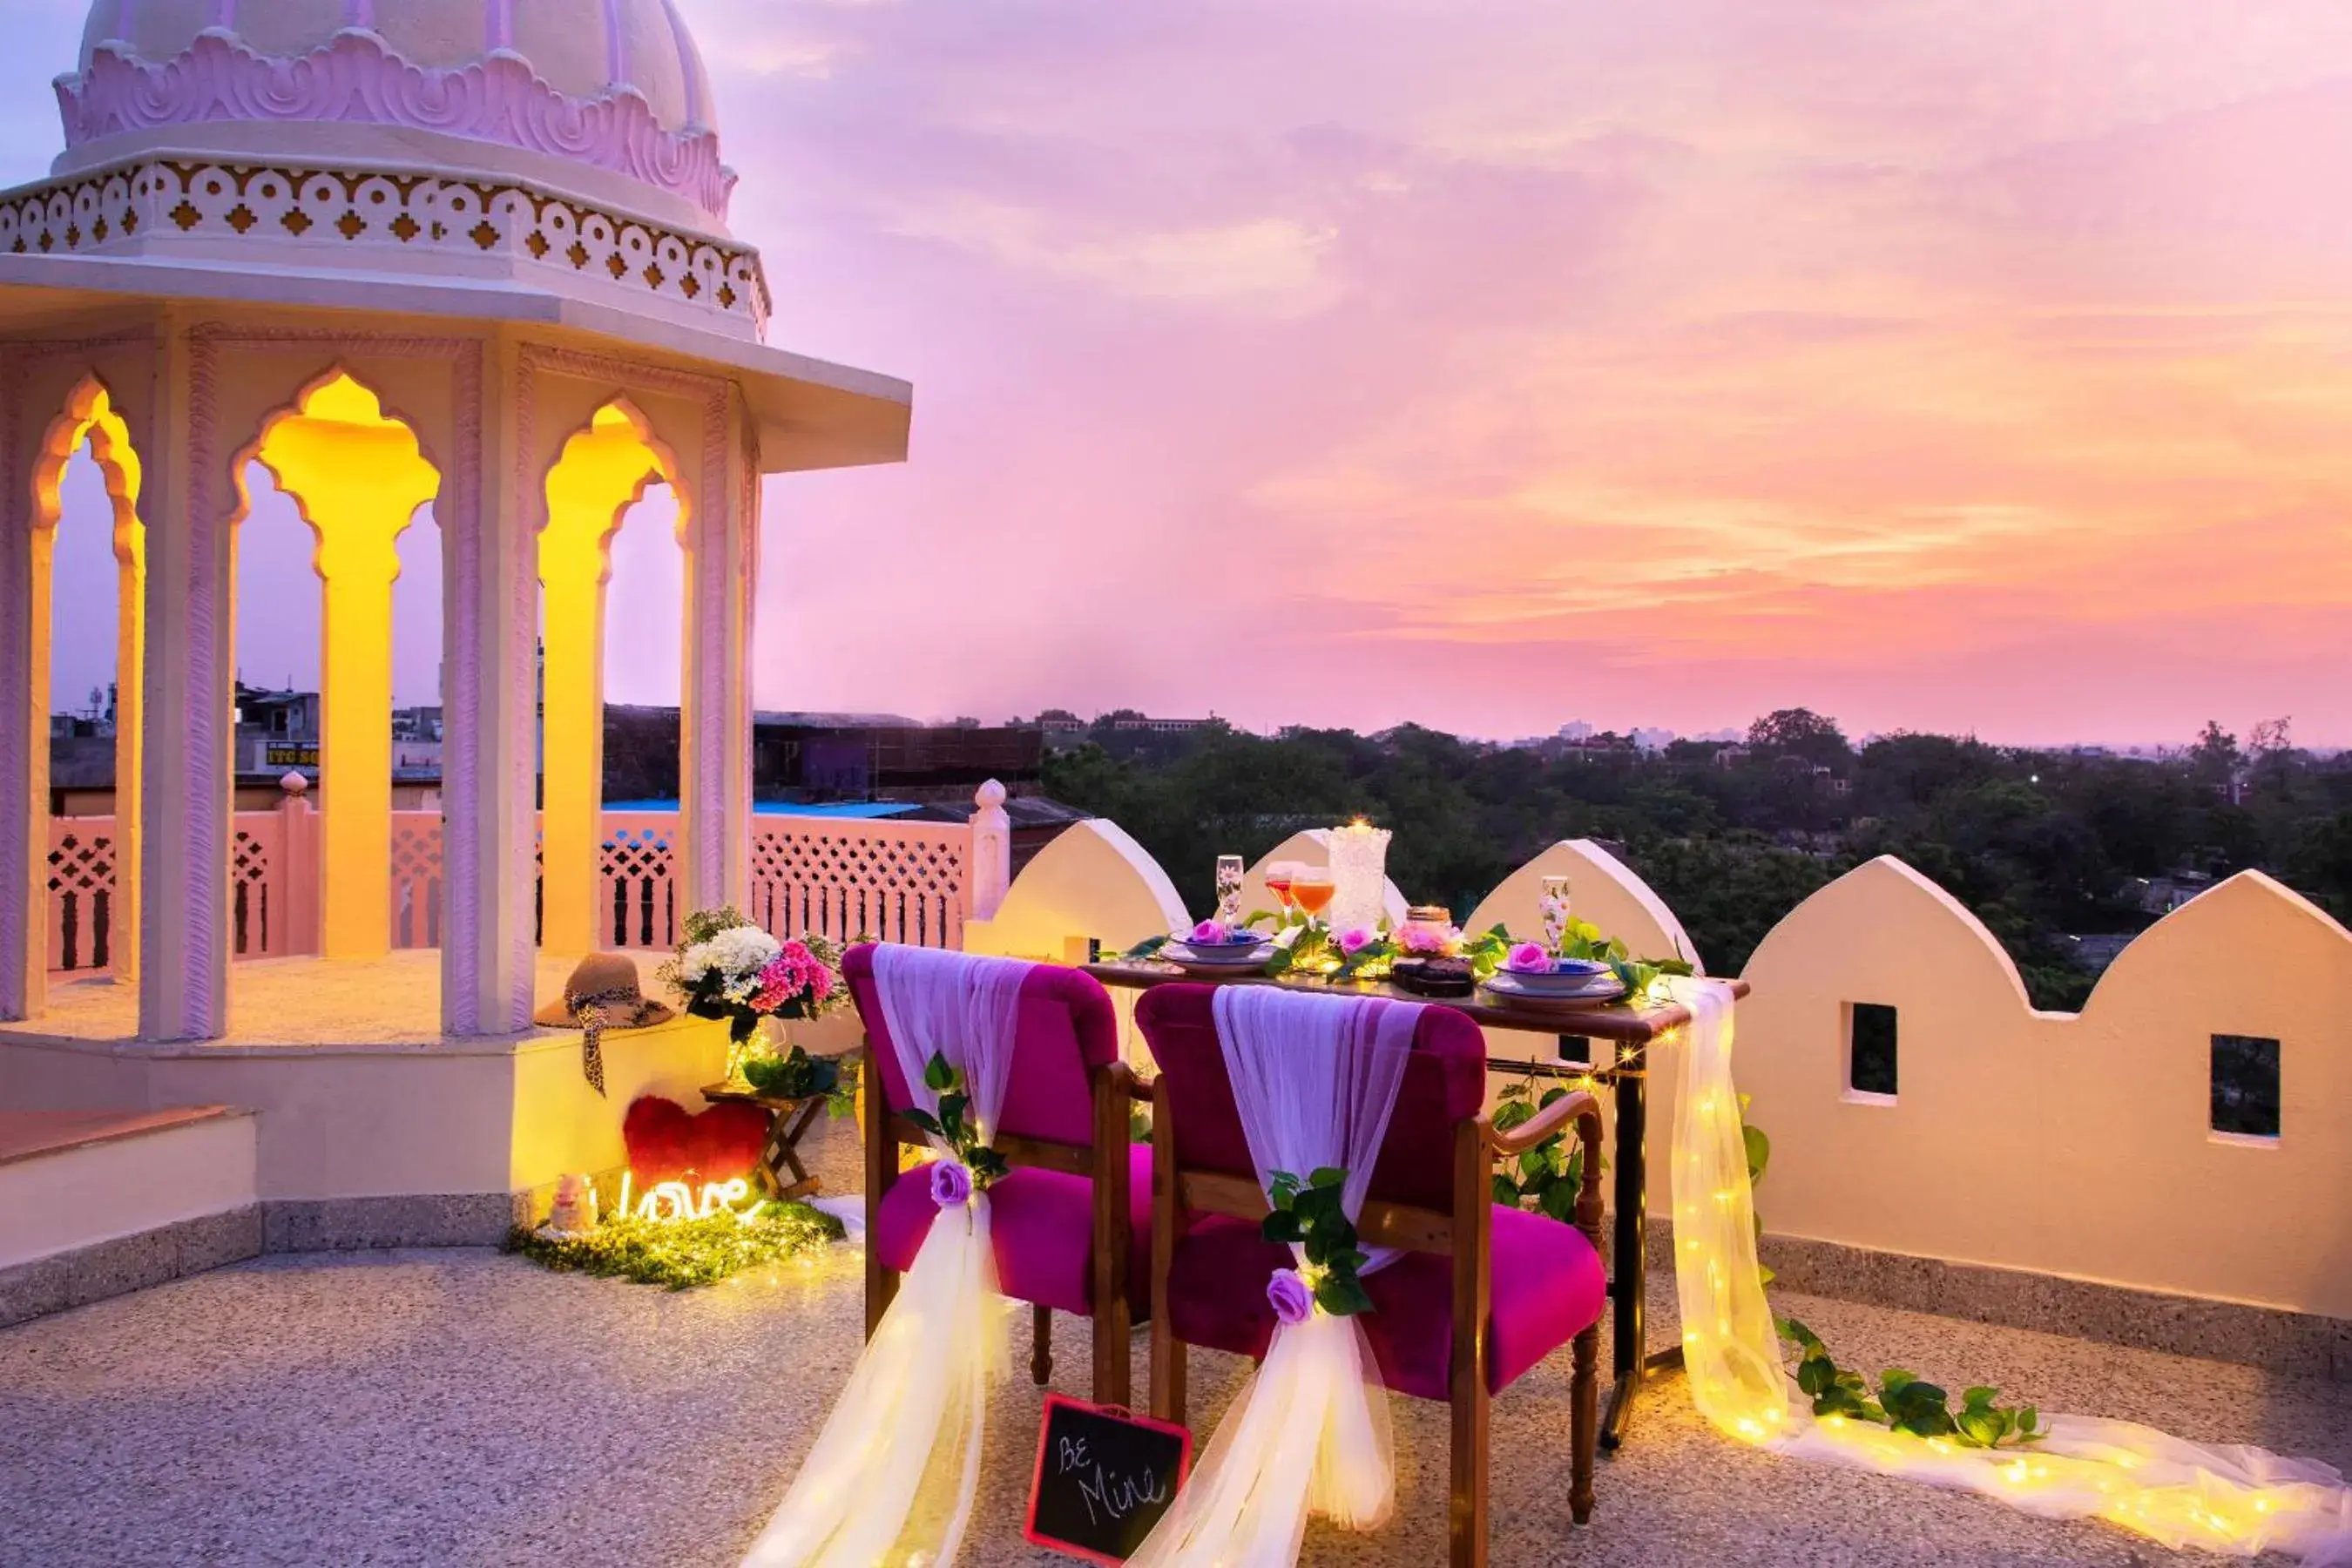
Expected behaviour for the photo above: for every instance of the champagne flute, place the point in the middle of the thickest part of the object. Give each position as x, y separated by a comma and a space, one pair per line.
1230, 869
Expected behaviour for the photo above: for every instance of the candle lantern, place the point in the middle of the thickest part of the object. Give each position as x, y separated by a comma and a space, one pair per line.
1359, 857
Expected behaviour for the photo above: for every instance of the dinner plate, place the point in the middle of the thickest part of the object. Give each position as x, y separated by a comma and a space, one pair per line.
1507, 988
1223, 957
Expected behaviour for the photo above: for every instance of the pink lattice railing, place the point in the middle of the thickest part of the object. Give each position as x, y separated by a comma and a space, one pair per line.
900, 881
637, 880
907, 882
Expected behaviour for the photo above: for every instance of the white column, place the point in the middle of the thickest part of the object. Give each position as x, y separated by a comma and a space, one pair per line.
186, 804
723, 568
24, 731
991, 851
489, 615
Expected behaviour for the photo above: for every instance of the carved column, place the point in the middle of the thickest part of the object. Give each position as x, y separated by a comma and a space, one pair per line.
489, 615
187, 807
23, 729
722, 565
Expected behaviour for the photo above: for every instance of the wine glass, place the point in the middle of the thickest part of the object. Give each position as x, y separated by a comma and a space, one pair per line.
1312, 889
1278, 879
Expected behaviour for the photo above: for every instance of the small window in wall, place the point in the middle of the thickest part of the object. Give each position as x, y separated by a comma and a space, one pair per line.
1870, 1049
2245, 1086
1575, 1050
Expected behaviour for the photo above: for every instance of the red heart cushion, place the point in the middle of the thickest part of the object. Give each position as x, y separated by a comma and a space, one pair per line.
667, 1144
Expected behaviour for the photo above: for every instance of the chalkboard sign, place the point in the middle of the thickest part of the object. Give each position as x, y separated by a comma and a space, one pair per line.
1104, 1478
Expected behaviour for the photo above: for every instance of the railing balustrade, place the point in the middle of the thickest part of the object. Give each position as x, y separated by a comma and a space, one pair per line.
841, 878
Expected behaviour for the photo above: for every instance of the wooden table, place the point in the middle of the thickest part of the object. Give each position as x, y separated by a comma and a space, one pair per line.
1631, 1030
789, 1119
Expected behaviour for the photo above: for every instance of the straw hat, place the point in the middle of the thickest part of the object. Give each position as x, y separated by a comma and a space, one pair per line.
605, 984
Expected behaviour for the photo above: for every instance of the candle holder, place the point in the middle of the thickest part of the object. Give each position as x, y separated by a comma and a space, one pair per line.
1553, 904
1359, 857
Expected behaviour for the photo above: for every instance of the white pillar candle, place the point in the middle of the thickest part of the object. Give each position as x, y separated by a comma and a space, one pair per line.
1359, 855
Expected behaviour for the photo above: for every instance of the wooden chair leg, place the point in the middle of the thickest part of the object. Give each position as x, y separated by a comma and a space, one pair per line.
1466, 1512
1040, 1346
1473, 1221
1113, 1235
1584, 1424
881, 1151
1166, 1376
1114, 1337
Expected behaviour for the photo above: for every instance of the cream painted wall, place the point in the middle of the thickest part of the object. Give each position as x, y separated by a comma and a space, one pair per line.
562, 1125
2072, 1145
1091, 882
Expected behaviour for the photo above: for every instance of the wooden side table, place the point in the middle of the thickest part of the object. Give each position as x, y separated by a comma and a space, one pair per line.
781, 1170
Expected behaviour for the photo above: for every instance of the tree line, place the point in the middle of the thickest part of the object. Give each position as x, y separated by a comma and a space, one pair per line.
2046, 847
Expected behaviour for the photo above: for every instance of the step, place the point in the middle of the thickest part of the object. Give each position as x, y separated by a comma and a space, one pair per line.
97, 1202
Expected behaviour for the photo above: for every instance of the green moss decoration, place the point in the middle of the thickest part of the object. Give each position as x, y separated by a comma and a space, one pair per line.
680, 1254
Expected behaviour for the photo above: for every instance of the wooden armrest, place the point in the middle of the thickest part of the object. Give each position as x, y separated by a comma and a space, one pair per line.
1545, 1122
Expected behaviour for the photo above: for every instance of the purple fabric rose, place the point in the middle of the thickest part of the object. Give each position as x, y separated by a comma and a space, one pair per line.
1211, 933
950, 1183
1293, 1303
1354, 939
1529, 958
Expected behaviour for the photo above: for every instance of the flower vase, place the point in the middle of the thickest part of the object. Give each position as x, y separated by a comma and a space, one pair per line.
746, 1039
1358, 858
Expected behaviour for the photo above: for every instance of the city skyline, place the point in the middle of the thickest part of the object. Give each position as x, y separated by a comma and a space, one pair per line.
1478, 365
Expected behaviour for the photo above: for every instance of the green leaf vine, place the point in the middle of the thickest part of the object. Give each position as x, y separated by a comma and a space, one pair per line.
954, 1127
1307, 1215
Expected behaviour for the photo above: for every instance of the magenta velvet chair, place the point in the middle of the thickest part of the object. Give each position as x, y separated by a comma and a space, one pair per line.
1482, 1293
1072, 1220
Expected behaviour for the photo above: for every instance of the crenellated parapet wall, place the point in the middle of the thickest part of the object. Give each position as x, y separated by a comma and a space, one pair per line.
2043, 1144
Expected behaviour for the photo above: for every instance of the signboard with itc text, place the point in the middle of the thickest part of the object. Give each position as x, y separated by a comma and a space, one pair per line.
1104, 1478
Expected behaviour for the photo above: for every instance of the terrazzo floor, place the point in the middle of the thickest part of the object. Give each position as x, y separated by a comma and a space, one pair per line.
461, 1408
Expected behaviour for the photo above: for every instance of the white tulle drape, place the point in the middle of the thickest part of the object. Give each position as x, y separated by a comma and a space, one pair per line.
2232, 1499
892, 1476
1315, 1079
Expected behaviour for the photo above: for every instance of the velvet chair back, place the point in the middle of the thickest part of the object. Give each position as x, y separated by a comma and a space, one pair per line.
1444, 1083
1066, 1029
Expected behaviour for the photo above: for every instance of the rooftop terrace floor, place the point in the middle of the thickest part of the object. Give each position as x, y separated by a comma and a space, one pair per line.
461, 1408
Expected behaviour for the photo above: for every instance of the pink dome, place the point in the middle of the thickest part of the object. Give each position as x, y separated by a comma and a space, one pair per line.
615, 85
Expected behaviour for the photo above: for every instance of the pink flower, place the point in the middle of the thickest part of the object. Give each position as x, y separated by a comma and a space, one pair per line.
950, 1185
793, 973
1354, 939
1423, 943
1211, 933
1292, 1302
1529, 958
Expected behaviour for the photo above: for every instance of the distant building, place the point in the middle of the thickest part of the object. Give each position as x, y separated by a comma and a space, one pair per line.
1654, 739
1576, 730
1730, 756
1161, 726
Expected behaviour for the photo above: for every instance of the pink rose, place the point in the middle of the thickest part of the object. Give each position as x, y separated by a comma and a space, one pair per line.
1354, 939
1292, 1302
1211, 933
1529, 958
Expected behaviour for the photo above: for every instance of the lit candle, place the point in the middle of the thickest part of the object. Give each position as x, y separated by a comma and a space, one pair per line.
1359, 855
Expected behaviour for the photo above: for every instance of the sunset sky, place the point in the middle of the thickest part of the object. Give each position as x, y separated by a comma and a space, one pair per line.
1493, 363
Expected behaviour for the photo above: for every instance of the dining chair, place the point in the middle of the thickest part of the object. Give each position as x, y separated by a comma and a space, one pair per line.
1481, 1292
1072, 1220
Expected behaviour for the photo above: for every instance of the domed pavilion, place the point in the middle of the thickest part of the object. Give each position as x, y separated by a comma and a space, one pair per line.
465, 254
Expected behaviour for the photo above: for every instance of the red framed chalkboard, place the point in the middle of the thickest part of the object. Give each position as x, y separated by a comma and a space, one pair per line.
1104, 1478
